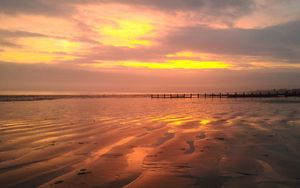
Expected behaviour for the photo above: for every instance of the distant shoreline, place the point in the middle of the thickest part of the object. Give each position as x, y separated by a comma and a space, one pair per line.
249, 94
7, 98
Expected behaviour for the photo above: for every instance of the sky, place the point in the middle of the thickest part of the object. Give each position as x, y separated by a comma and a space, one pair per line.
149, 45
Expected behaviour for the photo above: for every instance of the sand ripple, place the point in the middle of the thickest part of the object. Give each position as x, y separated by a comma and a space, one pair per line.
130, 142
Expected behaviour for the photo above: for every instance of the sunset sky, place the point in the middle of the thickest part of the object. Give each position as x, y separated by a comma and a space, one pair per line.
149, 45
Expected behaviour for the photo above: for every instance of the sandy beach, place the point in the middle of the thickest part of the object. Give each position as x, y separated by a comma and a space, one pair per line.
147, 143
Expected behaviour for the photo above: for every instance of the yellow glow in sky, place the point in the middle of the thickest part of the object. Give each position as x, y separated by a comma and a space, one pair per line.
45, 44
169, 64
40, 50
21, 56
186, 54
178, 64
127, 33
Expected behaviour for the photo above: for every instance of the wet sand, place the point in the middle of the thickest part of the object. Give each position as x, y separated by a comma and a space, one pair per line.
141, 142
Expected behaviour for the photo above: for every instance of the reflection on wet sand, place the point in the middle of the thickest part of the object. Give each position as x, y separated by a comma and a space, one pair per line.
136, 158
186, 124
106, 149
149, 143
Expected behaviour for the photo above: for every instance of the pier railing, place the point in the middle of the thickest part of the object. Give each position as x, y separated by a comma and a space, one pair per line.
229, 95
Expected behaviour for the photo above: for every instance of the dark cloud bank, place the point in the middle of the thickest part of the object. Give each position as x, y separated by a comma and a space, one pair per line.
54, 7
19, 77
281, 42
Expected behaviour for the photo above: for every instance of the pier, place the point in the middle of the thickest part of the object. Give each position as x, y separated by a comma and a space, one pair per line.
260, 94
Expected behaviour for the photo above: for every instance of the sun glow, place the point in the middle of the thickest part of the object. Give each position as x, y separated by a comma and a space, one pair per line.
126, 33
168, 64
178, 64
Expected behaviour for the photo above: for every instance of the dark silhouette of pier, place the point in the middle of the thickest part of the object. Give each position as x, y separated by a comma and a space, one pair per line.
251, 94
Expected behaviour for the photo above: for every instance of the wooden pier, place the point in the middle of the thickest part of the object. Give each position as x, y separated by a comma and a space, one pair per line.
269, 94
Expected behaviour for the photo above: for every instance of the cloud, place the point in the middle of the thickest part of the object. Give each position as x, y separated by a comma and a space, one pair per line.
43, 7
276, 44
6, 37
189, 4
8, 33
281, 41
53, 78
201, 11
228, 8
220, 12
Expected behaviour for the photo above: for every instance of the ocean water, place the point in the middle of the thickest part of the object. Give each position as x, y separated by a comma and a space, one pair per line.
143, 142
